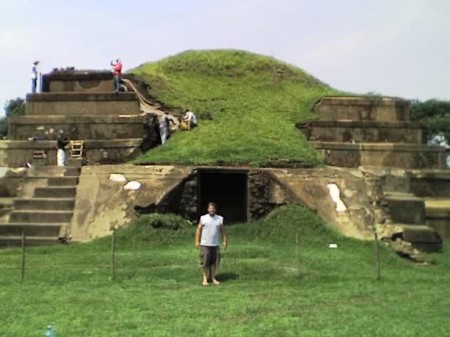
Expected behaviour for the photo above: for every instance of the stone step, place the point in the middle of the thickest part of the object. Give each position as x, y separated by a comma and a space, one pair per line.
32, 216
63, 181
437, 208
363, 132
406, 208
77, 81
387, 155
423, 238
45, 204
6, 202
34, 229
114, 151
6, 207
49, 171
55, 192
442, 226
430, 183
105, 96
332, 108
82, 104
79, 127
16, 241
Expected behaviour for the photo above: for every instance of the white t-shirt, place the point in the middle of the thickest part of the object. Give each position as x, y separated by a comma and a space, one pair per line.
34, 72
211, 229
191, 117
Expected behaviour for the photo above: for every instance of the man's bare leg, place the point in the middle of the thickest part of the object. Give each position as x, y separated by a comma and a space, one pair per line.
205, 277
213, 275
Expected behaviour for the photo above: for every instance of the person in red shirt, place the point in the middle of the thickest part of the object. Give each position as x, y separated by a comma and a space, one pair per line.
117, 70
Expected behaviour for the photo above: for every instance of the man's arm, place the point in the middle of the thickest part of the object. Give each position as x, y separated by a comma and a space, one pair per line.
198, 234
224, 236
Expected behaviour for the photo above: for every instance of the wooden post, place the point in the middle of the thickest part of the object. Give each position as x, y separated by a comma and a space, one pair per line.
113, 255
377, 255
22, 278
298, 252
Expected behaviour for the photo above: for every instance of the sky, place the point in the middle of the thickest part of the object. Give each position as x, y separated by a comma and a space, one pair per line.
390, 47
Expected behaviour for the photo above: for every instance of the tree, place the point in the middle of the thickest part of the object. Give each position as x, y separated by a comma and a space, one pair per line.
13, 107
435, 114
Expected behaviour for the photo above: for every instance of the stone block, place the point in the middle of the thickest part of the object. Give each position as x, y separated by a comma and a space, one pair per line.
396, 181
77, 127
423, 238
44, 204
407, 156
32, 229
55, 192
362, 109
39, 216
431, 183
62, 181
78, 81
364, 132
406, 209
76, 104
17, 153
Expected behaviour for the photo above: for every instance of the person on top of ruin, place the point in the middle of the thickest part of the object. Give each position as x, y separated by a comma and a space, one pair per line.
34, 77
61, 143
117, 71
189, 120
207, 237
164, 127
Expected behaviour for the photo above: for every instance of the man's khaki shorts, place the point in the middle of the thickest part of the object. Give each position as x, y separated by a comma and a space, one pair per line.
209, 256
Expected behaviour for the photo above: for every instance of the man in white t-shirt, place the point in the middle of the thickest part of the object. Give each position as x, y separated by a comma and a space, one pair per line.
207, 239
189, 120
34, 77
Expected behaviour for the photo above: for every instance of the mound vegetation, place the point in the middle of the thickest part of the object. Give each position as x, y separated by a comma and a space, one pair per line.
265, 290
247, 104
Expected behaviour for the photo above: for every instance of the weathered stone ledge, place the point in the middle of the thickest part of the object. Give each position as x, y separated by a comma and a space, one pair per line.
81, 97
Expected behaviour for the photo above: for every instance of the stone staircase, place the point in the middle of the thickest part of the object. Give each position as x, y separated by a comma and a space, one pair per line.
82, 103
375, 133
43, 211
409, 212
355, 131
434, 187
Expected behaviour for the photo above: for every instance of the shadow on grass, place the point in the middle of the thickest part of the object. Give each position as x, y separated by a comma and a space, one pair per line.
224, 277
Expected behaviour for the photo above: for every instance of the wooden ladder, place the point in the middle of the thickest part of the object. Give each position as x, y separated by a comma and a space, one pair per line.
39, 156
76, 149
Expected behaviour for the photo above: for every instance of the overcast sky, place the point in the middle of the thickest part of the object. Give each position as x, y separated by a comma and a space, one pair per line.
390, 47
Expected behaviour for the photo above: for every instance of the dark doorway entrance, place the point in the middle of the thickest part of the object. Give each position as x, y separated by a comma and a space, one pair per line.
228, 189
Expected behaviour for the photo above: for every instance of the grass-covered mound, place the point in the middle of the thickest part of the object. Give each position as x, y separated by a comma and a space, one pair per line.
247, 104
157, 290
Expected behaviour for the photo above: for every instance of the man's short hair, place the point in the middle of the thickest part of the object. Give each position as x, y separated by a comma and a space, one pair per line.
213, 204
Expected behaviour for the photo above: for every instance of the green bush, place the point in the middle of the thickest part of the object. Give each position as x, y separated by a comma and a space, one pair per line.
156, 229
435, 114
13, 107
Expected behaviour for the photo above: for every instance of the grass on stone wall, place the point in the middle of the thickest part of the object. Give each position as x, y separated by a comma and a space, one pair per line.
157, 290
247, 104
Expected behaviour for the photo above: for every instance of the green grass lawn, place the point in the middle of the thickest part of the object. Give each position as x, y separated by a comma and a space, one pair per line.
157, 290
247, 104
